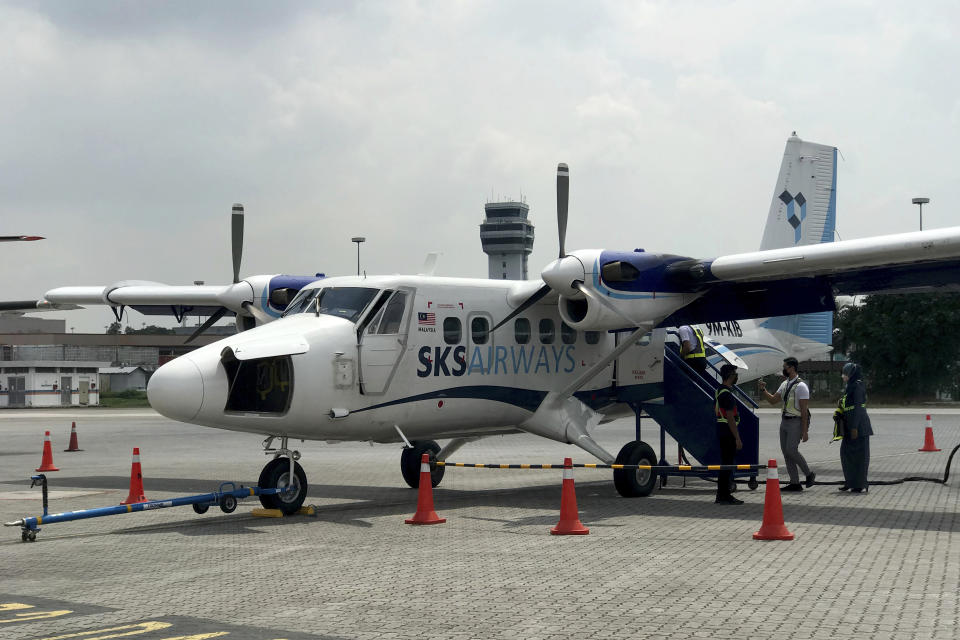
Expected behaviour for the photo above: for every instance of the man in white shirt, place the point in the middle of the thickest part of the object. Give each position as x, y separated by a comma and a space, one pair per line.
691, 348
794, 422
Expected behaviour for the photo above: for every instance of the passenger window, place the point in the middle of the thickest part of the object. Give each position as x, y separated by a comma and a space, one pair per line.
548, 331
479, 330
568, 334
592, 337
451, 330
393, 313
521, 330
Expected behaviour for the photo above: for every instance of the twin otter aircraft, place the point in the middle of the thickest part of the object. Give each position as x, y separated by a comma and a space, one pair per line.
421, 358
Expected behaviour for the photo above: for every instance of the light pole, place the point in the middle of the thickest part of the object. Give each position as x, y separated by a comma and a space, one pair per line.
358, 240
921, 202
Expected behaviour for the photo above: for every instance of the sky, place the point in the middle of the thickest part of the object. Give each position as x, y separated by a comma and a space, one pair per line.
129, 128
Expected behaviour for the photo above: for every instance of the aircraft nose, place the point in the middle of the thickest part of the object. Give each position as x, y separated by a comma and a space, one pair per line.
176, 389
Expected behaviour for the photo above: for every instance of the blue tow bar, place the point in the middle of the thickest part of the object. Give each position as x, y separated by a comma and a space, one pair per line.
226, 498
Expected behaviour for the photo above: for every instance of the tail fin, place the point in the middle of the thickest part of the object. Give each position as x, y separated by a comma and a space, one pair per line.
804, 205
803, 211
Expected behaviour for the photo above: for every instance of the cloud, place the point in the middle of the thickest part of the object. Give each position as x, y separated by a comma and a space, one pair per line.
128, 129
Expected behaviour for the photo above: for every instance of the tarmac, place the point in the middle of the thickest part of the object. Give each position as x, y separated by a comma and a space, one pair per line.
885, 564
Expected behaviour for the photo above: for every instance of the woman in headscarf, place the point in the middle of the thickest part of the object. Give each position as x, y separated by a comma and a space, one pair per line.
855, 447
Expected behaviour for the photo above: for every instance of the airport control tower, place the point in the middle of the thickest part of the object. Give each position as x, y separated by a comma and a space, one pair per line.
507, 239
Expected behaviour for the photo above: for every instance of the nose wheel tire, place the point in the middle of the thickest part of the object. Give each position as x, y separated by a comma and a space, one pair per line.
410, 462
275, 475
632, 483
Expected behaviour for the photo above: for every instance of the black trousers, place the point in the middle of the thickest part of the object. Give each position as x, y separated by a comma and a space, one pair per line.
728, 454
699, 364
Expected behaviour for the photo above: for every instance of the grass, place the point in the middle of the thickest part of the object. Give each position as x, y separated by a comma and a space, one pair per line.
129, 398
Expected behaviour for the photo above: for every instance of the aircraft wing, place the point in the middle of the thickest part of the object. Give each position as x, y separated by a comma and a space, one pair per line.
20, 307
154, 298
806, 278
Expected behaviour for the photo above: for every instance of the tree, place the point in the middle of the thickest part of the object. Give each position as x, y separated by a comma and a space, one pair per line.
903, 342
150, 330
113, 329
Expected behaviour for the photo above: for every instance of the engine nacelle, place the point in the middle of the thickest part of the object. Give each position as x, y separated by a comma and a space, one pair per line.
621, 290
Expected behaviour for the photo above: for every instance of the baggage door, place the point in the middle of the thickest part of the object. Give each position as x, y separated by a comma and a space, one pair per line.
384, 341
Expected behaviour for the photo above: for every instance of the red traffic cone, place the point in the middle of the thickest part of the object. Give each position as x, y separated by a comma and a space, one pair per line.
136, 481
569, 524
425, 513
772, 527
46, 462
928, 444
74, 445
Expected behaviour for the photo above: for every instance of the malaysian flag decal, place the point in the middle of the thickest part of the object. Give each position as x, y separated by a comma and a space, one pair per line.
429, 319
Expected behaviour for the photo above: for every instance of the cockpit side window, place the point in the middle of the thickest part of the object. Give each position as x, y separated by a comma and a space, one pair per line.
393, 314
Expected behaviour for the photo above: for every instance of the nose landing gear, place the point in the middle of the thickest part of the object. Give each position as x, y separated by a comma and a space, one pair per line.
283, 472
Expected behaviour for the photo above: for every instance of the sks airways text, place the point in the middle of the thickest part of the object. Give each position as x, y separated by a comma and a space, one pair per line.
415, 359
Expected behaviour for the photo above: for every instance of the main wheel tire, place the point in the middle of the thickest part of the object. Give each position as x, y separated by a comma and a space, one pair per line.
410, 462
276, 474
200, 508
632, 483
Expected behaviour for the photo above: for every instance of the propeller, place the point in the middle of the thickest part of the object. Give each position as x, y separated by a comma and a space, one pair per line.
236, 238
236, 232
563, 196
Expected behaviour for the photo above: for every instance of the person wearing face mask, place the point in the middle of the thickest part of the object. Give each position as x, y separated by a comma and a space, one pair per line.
856, 430
794, 422
728, 435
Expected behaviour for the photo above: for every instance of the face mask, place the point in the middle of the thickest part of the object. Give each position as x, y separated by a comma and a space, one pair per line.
785, 372
735, 378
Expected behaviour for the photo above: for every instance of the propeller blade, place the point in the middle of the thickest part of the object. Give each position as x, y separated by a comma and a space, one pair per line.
563, 195
255, 311
212, 320
236, 231
526, 304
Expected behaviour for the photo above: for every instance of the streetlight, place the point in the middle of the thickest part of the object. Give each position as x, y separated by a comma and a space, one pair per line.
358, 240
921, 202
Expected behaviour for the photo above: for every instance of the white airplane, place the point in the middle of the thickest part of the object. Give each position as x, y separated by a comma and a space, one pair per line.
419, 358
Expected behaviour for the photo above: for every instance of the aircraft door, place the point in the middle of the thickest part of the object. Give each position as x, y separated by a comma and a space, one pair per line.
66, 390
384, 341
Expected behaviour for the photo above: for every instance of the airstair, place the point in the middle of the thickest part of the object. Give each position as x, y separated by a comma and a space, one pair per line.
686, 412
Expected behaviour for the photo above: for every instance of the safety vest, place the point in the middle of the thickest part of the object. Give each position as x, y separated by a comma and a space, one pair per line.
699, 351
790, 407
845, 408
716, 406
839, 416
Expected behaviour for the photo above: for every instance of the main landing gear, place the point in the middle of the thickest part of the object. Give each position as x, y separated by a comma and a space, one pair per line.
632, 483
410, 462
282, 472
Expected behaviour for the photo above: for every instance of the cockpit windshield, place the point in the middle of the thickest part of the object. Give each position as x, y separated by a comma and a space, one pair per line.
342, 302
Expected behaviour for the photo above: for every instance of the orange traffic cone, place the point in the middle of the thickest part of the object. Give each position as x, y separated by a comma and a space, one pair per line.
425, 513
74, 445
136, 481
928, 444
46, 462
569, 524
772, 527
